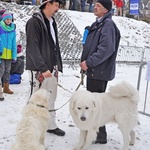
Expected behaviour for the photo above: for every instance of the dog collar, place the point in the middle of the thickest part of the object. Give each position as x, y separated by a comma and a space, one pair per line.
38, 105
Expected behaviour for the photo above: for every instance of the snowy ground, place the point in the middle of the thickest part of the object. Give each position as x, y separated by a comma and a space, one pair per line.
134, 33
10, 113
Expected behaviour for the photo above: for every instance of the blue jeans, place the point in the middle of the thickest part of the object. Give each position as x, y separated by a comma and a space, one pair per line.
73, 5
33, 2
82, 5
90, 8
112, 11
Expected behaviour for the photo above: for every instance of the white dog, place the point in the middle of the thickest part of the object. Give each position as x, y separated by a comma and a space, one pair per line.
31, 130
92, 110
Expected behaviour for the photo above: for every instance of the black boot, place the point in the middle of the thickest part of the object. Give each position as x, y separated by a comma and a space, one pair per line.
57, 131
101, 136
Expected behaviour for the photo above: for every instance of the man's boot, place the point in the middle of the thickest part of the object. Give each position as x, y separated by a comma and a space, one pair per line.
6, 89
101, 136
1, 94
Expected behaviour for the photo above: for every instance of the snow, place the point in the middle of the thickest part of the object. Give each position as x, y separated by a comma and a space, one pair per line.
136, 33
133, 32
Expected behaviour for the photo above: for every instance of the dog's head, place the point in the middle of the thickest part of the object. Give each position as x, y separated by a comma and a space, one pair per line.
40, 97
82, 106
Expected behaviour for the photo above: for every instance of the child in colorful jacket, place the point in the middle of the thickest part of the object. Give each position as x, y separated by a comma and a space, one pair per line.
8, 51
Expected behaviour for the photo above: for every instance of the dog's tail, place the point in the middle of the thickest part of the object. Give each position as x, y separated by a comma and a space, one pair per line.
125, 89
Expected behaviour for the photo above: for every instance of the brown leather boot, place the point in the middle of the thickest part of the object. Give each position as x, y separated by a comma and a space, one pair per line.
6, 89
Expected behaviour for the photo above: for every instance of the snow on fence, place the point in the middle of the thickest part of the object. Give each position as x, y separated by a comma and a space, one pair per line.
69, 38
132, 54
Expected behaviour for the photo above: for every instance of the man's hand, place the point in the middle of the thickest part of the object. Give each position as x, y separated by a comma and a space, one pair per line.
83, 65
47, 74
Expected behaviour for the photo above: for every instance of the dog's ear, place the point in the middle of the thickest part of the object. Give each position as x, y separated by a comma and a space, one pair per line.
94, 104
72, 104
95, 109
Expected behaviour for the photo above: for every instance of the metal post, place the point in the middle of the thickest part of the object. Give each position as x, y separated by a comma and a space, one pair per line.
145, 96
140, 72
138, 87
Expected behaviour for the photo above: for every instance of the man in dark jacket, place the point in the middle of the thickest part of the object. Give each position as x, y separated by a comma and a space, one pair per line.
98, 58
43, 59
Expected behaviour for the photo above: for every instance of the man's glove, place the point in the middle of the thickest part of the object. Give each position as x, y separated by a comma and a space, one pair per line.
13, 61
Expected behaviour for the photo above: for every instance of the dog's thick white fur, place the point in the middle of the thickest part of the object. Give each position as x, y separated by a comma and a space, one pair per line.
92, 110
31, 130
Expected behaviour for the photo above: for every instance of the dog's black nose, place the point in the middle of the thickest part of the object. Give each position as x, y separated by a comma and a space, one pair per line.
83, 118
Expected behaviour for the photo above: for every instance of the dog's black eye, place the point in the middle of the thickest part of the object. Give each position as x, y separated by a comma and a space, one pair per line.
86, 107
79, 108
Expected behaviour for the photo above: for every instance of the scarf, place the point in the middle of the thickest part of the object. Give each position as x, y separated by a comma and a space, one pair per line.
7, 27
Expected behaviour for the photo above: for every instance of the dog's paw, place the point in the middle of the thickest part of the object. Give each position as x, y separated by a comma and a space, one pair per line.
93, 142
138, 122
77, 148
131, 143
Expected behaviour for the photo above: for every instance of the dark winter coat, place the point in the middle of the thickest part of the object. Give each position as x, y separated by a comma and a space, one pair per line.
42, 53
100, 49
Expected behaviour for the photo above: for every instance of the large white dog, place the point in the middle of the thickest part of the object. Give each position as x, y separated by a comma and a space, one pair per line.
31, 130
92, 110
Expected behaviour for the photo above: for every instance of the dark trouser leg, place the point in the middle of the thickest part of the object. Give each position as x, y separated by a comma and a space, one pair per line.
98, 86
101, 135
